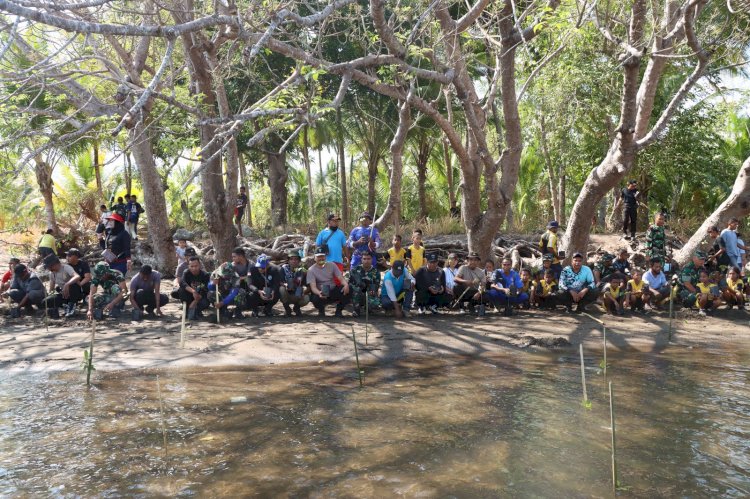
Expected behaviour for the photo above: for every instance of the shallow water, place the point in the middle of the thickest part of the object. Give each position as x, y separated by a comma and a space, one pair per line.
509, 425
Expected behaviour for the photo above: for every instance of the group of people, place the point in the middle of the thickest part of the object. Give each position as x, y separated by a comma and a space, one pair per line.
345, 275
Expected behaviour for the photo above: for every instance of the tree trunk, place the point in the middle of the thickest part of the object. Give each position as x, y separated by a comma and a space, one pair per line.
245, 182
277, 177
153, 198
372, 177
447, 157
615, 219
306, 160
561, 195
98, 172
737, 204
43, 171
320, 167
128, 173
552, 171
342, 171
423, 156
392, 210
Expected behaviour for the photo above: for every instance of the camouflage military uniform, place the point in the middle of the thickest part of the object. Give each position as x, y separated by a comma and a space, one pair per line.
359, 285
109, 280
605, 271
689, 274
229, 284
656, 243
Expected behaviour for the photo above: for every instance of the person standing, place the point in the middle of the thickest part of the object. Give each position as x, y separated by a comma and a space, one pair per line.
731, 245
656, 239
364, 239
333, 241
133, 210
117, 253
630, 196
48, 244
548, 246
240, 204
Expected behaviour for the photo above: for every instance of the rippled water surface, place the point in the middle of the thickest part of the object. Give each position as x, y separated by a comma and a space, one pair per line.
501, 426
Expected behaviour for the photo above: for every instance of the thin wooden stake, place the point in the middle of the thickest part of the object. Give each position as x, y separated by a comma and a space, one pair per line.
612, 423
583, 376
182, 327
90, 365
671, 308
161, 410
46, 315
604, 334
356, 356
218, 314
367, 312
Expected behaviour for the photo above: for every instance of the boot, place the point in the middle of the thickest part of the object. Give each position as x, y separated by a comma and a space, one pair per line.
53, 313
15, 312
297, 311
287, 310
115, 312
136, 314
98, 314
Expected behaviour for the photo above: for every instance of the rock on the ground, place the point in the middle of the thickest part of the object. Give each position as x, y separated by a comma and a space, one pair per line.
183, 234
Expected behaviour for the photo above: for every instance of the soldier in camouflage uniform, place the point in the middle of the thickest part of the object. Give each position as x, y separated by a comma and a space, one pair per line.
365, 281
689, 276
656, 240
292, 288
230, 292
112, 297
604, 270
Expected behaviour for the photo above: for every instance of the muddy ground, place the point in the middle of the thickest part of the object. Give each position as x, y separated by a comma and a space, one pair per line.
27, 345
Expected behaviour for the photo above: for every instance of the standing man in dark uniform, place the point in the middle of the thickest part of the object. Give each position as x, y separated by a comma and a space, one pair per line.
630, 196
239, 209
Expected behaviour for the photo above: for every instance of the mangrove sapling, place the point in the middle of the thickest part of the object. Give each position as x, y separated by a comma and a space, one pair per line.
586, 403
604, 362
671, 310
360, 372
161, 411
218, 310
88, 355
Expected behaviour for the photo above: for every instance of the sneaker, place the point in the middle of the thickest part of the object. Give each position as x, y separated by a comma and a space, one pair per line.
356, 312
71, 310
702, 313
149, 310
420, 311
338, 313
287, 310
434, 309
406, 313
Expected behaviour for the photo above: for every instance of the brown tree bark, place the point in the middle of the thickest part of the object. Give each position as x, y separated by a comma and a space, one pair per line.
277, 177
153, 197
392, 212
737, 204
43, 171
306, 161
422, 156
342, 171
245, 182
98, 172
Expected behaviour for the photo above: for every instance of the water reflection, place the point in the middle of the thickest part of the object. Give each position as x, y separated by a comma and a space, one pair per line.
463, 427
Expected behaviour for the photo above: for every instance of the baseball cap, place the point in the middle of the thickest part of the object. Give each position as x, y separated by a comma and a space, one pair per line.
364, 215
608, 257
262, 261
700, 254
320, 250
50, 260
190, 252
577, 255
432, 257
116, 217
293, 253
333, 216
473, 255
554, 224
74, 251
548, 257
146, 270
398, 265
632, 181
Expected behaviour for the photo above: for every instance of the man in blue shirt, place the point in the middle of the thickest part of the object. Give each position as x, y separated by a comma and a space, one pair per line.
504, 290
334, 239
577, 285
364, 239
729, 236
398, 290
656, 282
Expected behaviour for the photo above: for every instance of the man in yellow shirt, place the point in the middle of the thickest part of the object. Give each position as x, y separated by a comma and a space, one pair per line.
47, 244
548, 245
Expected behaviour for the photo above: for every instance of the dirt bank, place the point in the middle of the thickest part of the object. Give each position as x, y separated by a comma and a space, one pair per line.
25, 344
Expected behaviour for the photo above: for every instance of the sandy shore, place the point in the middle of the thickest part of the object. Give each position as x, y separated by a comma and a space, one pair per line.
27, 345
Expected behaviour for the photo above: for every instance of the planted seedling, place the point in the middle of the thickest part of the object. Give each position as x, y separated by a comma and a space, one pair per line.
360, 371
88, 356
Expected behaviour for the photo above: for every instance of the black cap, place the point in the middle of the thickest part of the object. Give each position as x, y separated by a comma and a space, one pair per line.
146, 270
398, 265
294, 253
577, 255
190, 252
632, 181
365, 214
20, 269
432, 257
320, 250
333, 216
74, 251
474, 255
50, 260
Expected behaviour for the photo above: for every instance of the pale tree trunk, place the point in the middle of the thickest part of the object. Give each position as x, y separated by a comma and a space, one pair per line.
306, 160
636, 108
153, 198
447, 157
422, 157
128, 173
245, 182
43, 171
372, 177
320, 167
98, 171
614, 222
342, 171
737, 205
552, 173
561, 195
277, 177
392, 211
